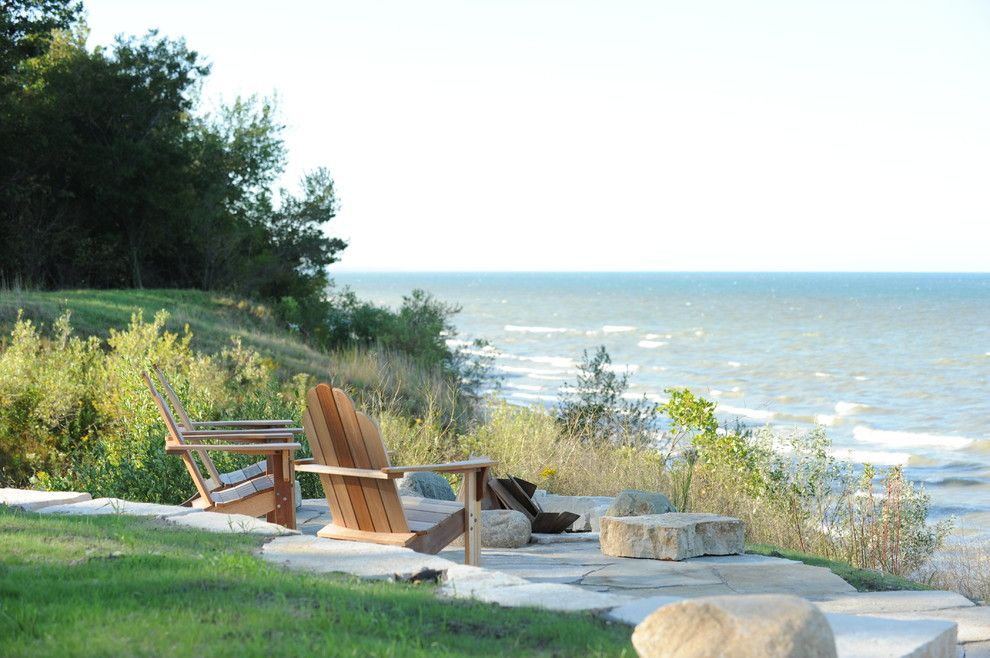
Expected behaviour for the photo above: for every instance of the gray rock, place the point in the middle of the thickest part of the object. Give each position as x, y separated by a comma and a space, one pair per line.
639, 503
502, 528
595, 515
763, 626
671, 536
425, 485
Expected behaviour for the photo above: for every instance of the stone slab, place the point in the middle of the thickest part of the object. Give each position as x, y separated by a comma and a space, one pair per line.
977, 650
636, 611
465, 581
870, 603
551, 596
800, 579
564, 538
672, 536
229, 523
30, 500
974, 621
873, 637
105, 506
306, 553
638, 574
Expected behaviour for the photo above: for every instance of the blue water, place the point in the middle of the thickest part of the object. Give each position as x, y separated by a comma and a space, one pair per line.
897, 366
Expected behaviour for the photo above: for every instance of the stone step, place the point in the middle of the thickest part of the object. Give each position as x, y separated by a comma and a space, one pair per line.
855, 636
105, 506
31, 501
671, 536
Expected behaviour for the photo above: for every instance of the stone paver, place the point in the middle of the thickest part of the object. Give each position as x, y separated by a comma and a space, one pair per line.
800, 579
873, 637
870, 603
974, 622
305, 553
31, 501
977, 650
229, 523
105, 506
551, 596
564, 538
642, 574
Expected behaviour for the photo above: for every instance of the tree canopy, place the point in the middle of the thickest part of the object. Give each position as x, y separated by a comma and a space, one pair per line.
112, 176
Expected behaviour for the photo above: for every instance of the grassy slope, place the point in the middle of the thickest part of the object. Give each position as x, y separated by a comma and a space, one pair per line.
212, 317
115, 585
864, 580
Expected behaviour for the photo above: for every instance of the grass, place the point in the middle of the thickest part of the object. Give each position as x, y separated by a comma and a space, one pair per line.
864, 580
124, 586
212, 317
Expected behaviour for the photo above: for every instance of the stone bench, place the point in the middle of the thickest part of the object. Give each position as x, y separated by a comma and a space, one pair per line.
672, 536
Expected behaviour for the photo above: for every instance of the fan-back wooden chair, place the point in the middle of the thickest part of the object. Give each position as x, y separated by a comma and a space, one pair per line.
216, 478
359, 483
270, 493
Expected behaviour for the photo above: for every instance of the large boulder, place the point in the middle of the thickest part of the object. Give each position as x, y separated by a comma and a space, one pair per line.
425, 485
672, 536
502, 528
754, 626
639, 503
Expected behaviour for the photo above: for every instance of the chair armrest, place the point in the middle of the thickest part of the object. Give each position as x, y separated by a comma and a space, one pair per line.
238, 435
244, 449
455, 467
247, 424
307, 466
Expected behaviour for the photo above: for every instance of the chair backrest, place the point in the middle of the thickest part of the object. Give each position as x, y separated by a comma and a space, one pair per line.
341, 436
175, 437
180, 409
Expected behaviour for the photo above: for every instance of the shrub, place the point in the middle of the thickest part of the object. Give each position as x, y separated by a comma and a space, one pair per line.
595, 409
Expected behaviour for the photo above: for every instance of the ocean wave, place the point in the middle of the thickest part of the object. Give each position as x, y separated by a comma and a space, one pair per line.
860, 378
651, 344
555, 361
733, 364
755, 414
652, 397
523, 387
617, 329
622, 368
534, 396
822, 374
875, 457
550, 378
825, 419
535, 330
523, 370
910, 439
846, 408
714, 392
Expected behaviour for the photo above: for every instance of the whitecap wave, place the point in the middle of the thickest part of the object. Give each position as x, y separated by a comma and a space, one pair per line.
551, 378
523, 387
535, 330
733, 364
755, 414
822, 374
846, 408
875, 457
825, 419
622, 368
715, 392
522, 370
860, 378
534, 396
555, 361
910, 439
617, 329
651, 344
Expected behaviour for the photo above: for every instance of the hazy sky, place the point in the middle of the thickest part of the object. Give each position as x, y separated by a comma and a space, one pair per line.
620, 135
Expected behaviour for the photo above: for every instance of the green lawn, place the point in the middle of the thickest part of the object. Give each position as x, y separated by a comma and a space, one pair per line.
123, 586
864, 580
212, 317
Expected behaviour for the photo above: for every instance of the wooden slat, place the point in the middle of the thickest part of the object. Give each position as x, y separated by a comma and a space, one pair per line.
355, 490
364, 473
431, 505
427, 517
333, 531
323, 451
379, 459
359, 452
451, 467
440, 535
423, 526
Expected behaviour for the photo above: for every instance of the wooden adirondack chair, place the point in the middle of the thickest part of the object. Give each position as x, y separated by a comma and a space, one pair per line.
216, 478
270, 493
359, 483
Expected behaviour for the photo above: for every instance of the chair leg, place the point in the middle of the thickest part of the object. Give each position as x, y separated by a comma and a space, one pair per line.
280, 467
472, 519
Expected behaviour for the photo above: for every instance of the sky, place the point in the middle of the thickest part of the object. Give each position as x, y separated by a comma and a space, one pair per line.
658, 135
